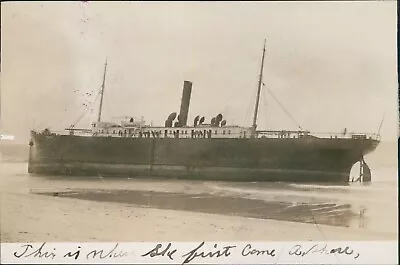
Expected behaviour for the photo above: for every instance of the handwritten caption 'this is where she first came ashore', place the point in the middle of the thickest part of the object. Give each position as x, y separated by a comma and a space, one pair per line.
171, 253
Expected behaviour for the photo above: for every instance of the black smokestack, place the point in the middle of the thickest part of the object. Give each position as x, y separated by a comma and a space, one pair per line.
183, 114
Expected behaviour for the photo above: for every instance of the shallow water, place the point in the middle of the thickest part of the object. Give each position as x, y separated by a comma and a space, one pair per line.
373, 206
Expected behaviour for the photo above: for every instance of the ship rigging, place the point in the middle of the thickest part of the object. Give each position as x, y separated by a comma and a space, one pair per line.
180, 121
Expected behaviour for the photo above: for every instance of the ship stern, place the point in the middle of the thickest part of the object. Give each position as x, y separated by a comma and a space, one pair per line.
366, 147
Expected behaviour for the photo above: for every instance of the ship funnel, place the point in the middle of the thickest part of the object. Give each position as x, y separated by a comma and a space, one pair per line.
183, 114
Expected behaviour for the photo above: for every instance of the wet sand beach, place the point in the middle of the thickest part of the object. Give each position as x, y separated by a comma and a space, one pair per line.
94, 209
317, 213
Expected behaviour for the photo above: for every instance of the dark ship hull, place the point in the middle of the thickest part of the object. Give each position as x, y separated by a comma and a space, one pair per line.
308, 159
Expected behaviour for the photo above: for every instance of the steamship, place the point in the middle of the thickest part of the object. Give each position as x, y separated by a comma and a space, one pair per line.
201, 150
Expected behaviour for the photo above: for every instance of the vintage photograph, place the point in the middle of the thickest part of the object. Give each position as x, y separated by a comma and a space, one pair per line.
196, 121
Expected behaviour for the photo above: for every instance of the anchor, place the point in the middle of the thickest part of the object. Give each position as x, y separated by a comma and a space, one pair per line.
365, 172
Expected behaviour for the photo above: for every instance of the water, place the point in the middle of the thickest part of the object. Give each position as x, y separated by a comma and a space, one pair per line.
370, 206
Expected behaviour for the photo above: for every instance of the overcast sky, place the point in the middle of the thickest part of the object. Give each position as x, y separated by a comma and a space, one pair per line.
331, 64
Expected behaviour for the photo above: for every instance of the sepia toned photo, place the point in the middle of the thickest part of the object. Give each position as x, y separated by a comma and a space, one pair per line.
198, 121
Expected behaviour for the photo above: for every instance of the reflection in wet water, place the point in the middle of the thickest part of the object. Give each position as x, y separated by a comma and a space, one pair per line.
318, 213
362, 217
372, 207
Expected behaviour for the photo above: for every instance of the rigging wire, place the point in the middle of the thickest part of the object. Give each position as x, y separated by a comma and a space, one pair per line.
249, 107
107, 105
266, 107
284, 109
54, 115
380, 126
86, 111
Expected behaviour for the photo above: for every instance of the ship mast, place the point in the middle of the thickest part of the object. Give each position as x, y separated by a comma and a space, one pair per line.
260, 83
102, 92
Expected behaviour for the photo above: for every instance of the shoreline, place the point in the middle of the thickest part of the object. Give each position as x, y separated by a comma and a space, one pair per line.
29, 217
334, 214
73, 220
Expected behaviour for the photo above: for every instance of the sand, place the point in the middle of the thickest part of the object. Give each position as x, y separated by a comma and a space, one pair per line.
34, 218
29, 217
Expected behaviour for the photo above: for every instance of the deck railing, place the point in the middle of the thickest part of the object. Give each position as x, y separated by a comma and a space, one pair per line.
328, 135
260, 134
